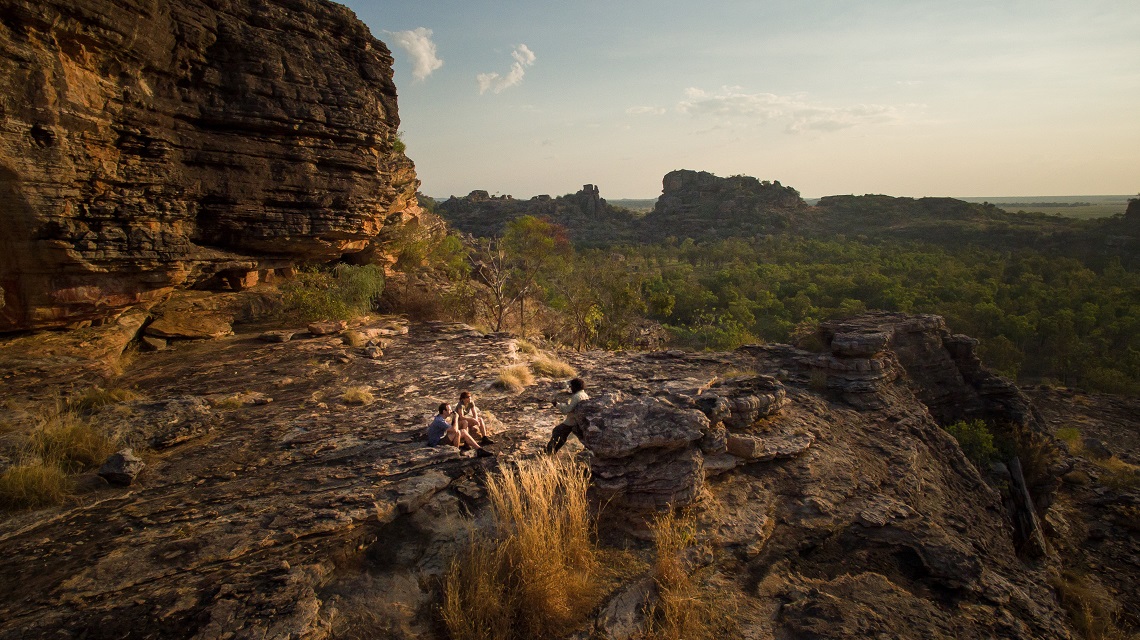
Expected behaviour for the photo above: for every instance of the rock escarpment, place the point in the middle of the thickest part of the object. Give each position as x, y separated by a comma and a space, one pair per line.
153, 145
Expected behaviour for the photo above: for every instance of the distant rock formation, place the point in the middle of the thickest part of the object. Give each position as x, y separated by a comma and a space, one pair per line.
147, 146
586, 214
699, 204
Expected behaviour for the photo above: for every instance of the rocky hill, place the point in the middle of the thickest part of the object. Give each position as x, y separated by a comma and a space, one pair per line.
148, 146
274, 506
585, 214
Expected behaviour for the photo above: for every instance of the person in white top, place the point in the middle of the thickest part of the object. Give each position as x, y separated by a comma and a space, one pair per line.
571, 424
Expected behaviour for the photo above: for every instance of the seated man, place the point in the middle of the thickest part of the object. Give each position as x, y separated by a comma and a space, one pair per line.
441, 431
570, 424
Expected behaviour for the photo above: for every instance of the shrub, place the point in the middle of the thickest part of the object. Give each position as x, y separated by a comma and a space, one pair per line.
515, 378
358, 395
536, 575
1071, 437
337, 294
976, 440
552, 367
32, 485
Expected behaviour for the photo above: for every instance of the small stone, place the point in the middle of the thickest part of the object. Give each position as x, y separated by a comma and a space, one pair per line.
151, 343
121, 468
374, 352
276, 336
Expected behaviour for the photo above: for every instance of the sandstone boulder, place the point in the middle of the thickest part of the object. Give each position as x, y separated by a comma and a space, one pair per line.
645, 451
326, 328
121, 468
189, 327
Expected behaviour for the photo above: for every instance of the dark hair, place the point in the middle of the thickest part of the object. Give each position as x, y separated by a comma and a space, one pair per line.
577, 385
443, 407
465, 394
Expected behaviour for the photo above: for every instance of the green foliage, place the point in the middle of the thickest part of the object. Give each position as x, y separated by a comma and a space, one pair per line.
976, 440
340, 293
398, 144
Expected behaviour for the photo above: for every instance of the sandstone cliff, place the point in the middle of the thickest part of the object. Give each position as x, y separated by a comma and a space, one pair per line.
153, 144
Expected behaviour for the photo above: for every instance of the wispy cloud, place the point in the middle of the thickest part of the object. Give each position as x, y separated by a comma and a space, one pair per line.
421, 50
495, 82
732, 106
645, 111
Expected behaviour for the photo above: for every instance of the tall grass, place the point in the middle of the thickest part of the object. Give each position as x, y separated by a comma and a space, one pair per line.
683, 610
536, 575
1091, 608
61, 443
33, 484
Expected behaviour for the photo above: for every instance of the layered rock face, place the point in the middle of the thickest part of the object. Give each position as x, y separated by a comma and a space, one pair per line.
147, 145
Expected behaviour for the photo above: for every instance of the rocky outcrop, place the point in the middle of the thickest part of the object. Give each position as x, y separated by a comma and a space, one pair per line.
147, 146
699, 204
271, 507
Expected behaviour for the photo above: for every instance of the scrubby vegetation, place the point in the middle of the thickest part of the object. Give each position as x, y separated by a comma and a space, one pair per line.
537, 574
976, 440
337, 293
1091, 607
1071, 317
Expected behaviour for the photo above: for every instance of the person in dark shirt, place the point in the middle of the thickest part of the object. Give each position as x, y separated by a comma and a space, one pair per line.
444, 431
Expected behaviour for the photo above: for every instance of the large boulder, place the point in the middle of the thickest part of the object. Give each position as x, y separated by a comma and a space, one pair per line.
646, 452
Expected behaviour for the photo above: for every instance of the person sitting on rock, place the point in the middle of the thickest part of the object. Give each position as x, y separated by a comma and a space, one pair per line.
469, 418
444, 431
571, 423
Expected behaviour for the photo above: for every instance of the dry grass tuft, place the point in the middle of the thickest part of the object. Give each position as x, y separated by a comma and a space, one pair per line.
515, 378
1091, 608
69, 442
230, 403
685, 608
553, 367
537, 575
358, 395
32, 485
1118, 474
354, 339
61, 443
92, 399
1072, 439
526, 347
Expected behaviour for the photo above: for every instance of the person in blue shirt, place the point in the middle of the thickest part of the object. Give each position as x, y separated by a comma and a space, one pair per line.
444, 431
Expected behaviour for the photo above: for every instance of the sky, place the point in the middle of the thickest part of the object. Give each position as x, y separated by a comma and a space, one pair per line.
904, 98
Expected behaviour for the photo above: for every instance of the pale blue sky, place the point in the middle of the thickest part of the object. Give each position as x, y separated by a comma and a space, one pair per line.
958, 98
